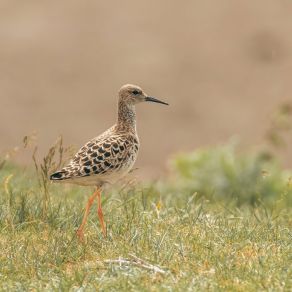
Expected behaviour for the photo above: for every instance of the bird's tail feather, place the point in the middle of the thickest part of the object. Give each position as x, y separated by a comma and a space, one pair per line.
59, 175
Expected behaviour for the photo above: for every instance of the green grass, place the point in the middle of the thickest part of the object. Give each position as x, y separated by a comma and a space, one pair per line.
200, 244
223, 173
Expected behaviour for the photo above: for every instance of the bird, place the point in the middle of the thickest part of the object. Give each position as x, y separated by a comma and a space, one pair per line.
108, 157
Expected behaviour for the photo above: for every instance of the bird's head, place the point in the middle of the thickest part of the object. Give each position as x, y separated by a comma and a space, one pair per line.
133, 94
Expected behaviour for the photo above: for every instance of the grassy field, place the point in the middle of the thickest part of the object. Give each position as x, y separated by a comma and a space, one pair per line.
160, 238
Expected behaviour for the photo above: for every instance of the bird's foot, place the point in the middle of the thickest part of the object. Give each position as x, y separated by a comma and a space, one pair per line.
80, 235
104, 231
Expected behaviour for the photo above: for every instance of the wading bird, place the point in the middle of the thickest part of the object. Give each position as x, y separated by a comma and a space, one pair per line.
108, 157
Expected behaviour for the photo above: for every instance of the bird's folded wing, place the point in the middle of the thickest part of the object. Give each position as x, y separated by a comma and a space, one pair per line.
100, 156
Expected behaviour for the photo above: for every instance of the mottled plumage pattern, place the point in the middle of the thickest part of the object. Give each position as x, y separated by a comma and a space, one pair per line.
111, 152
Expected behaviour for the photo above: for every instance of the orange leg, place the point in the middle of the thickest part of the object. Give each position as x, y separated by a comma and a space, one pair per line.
80, 233
100, 214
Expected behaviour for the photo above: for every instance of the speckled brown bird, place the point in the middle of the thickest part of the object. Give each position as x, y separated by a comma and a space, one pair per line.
108, 157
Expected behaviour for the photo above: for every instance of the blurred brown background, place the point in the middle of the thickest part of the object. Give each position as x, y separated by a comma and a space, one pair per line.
224, 66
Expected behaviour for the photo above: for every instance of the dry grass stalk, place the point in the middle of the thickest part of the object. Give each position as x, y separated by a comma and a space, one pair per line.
135, 261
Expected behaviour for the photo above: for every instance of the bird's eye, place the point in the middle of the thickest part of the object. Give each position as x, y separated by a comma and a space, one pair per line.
135, 92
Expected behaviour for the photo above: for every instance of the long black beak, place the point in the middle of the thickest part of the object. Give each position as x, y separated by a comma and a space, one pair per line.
153, 99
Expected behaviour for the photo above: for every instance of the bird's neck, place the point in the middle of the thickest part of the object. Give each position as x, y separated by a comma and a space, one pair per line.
126, 117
